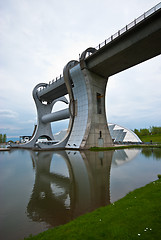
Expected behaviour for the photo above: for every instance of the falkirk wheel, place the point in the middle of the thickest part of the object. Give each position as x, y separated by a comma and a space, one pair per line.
85, 82
87, 125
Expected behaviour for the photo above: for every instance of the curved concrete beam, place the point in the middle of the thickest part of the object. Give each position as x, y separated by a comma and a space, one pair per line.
43, 128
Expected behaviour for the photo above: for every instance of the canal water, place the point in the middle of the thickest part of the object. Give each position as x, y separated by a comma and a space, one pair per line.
40, 190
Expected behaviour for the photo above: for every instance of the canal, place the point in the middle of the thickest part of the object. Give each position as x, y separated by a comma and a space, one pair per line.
40, 190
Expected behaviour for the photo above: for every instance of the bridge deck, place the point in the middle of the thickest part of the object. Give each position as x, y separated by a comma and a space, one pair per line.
129, 47
53, 91
136, 45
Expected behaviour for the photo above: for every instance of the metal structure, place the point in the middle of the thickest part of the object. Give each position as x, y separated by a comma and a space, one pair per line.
85, 81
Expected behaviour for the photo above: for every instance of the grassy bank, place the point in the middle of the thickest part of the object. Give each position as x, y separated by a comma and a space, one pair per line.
154, 138
136, 216
126, 146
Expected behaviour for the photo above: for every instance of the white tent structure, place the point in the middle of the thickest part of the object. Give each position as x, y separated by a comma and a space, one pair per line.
121, 134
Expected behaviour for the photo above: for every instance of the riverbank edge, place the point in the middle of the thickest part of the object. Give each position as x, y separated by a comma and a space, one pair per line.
4, 149
115, 147
136, 215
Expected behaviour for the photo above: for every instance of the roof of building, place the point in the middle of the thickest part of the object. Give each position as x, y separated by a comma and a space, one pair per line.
122, 134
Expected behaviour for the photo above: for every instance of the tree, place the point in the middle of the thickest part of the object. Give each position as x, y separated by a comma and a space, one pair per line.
4, 138
155, 130
144, 132
0, 138
136, 131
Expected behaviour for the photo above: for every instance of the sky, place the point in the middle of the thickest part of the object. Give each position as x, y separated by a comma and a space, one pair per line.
39, 37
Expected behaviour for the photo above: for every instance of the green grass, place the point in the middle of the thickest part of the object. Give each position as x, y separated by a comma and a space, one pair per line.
155, 138
136, 216
125, 146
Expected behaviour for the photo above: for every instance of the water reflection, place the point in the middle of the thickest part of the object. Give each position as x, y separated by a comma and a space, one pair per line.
40, 190
57, 198
123, 156
155, 152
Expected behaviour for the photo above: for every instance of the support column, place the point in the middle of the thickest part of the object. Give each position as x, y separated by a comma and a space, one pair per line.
90, 128
97, 132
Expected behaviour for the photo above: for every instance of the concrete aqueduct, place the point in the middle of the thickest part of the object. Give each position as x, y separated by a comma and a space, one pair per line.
85, 81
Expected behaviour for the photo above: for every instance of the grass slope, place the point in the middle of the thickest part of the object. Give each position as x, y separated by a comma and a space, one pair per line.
155, 138
136, 216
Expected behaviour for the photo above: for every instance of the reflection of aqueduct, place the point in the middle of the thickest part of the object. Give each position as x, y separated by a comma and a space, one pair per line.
85, 82
57, 199
59, 196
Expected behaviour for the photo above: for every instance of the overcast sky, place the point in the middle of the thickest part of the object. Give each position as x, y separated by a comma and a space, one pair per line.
38, 38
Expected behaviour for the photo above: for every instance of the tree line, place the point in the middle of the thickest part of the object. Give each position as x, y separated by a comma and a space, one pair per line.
3, 138
147, 131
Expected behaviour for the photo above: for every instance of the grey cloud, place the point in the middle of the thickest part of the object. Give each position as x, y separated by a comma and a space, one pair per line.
8, 113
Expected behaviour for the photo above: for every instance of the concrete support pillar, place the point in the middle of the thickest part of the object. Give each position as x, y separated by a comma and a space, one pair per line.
90, 127
97, 132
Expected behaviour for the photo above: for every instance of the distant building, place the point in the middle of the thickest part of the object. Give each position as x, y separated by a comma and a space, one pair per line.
121, 134
24, 139
60, 135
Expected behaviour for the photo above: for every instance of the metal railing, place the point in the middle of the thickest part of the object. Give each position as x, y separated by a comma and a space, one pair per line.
129, 26
50, 83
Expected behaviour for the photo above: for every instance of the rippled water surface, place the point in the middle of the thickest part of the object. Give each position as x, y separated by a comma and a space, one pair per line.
40, 190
